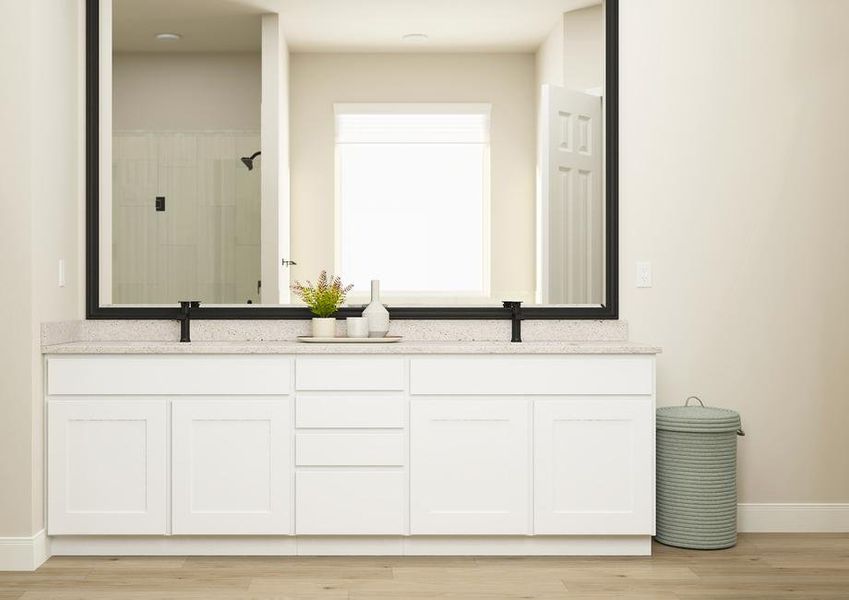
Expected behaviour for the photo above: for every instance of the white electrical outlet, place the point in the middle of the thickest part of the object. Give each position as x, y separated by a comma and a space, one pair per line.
61, 272
644, 274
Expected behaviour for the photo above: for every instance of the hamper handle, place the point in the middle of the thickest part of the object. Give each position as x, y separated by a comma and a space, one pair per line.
696, 398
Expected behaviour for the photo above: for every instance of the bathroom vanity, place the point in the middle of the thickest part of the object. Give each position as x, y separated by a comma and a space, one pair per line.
421, 447
410, 448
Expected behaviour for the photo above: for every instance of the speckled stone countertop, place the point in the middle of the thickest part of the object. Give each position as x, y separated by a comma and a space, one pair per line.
402, 347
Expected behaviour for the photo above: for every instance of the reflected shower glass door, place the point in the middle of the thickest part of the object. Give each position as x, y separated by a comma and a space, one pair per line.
186, 217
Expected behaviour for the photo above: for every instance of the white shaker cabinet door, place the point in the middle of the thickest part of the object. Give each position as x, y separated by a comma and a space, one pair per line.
593, 466
469, 466
107, 467
232, 466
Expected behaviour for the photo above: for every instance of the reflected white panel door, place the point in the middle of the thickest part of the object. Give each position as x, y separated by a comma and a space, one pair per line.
106, 466
593, 466
232, 466
571, 212
469, 466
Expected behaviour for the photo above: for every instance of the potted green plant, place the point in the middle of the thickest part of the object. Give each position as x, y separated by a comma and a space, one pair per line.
323, 299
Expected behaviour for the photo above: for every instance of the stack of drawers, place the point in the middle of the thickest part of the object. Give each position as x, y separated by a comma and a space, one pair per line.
351, 445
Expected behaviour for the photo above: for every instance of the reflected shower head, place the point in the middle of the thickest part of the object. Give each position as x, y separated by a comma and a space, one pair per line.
248, 161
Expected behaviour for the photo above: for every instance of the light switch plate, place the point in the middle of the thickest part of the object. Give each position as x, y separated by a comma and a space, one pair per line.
644, 278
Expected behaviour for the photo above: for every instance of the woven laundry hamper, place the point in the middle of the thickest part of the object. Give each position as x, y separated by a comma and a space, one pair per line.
697, 476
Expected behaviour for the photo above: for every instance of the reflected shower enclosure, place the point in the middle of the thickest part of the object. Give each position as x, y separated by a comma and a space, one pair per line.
206, 242
186, 182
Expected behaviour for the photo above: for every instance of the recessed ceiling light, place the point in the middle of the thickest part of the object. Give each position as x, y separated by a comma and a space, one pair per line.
168, 37
415, 38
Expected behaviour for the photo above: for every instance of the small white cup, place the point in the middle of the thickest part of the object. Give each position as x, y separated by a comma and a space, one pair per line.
357, 327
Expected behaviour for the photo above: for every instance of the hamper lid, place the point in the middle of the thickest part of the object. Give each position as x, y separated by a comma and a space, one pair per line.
697, 419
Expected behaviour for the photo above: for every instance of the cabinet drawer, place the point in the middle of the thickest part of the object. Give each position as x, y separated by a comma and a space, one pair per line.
331, 373
349, 449
349, 502
533, 375
349, 411
166, 375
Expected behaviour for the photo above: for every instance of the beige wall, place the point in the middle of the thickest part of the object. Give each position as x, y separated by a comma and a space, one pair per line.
583, 48
549, 58
40, 117
505, 80
182, 91
734, 140
572, 55
16, 449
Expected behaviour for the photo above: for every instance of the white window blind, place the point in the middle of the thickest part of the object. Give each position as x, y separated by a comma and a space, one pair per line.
413, 198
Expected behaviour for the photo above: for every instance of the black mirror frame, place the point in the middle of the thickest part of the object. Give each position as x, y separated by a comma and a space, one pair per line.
610, 310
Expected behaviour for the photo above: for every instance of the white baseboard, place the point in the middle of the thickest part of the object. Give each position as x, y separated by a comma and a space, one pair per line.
28, 553
793, 518
23, 553
495, 545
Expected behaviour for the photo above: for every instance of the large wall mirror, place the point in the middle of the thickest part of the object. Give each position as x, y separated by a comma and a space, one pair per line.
462, 153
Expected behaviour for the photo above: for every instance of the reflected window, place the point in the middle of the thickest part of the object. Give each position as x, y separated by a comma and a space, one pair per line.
412, 204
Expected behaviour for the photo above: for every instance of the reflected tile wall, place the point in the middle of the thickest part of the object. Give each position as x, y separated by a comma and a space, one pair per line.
206, 244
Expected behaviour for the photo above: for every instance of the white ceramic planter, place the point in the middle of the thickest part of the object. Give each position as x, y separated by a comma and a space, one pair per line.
357, 327
324, 327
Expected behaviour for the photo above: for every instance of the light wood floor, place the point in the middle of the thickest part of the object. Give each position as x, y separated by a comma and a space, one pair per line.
761, 566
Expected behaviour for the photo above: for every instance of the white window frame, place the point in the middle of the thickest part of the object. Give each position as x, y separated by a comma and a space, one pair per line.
419, 298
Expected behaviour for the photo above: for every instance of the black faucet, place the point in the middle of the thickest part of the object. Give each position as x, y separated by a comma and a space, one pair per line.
515, 307
185, 319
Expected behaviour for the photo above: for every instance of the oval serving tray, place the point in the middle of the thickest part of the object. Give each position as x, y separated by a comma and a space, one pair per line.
346, 340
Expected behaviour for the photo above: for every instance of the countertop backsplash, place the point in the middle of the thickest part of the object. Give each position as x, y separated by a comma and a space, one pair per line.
59, 332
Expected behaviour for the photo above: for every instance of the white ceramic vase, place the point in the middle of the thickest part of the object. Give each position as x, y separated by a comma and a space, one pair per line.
376, 313
324, 328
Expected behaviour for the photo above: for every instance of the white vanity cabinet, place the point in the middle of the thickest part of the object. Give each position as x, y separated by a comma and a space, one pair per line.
134, 440
482, 425
341, 453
